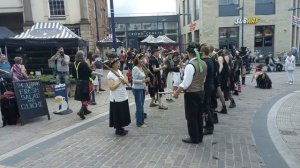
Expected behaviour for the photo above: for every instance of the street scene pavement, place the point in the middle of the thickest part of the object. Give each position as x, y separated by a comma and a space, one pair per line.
262, 131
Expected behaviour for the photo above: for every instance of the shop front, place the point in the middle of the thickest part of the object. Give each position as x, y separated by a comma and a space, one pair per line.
228, 37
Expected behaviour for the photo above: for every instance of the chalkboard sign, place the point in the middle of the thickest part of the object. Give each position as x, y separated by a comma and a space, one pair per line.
30, 99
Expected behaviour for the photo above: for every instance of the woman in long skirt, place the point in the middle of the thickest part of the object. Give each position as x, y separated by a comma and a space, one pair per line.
119, 115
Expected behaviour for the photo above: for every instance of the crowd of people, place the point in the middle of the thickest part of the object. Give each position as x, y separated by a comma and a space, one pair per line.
204, 74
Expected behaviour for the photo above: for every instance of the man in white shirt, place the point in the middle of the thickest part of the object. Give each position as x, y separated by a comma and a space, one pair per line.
193, 84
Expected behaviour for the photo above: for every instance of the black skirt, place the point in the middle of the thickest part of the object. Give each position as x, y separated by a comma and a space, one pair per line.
82, 90
119, 114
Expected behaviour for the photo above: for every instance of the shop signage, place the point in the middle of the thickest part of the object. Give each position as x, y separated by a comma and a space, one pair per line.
144, 33
192, 26
30, 99
296, 20
251, 20
45, 32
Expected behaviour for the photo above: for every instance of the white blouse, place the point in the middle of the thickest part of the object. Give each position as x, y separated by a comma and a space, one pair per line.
120, 93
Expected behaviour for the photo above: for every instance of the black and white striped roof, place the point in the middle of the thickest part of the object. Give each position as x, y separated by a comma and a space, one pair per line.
109, 39
47, 30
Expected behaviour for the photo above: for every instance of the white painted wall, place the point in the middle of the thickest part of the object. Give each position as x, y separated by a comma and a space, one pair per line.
41, 13
11, 6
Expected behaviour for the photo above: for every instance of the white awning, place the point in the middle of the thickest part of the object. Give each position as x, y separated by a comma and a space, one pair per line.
47, 30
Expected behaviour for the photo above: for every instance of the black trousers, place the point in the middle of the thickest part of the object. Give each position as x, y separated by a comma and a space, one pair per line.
194, 104
209, 123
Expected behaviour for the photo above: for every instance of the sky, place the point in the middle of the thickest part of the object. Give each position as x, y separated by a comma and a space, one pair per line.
143, 7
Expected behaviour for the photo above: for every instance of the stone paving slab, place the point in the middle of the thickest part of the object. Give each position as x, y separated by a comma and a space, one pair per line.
232, 144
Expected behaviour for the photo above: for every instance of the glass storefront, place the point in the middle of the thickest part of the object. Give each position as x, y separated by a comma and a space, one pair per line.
228, 37
264, 39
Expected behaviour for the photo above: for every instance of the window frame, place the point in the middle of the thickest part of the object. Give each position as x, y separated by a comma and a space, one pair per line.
54, 11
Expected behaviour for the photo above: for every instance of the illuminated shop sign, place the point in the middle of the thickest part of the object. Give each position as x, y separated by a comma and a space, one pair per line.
251, 20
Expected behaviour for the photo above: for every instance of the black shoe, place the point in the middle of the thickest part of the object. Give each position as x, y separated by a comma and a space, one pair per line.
169, 100
232, 105
101, 90
81, 113
121, 132
145, 115
189, 140
236, 93
93, 103
86, 111
208, 132
223, 111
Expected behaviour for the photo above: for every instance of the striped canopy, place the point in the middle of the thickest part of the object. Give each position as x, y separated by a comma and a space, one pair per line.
47, 30
46, 34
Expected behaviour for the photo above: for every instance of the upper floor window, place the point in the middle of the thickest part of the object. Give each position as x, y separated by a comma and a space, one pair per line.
229, 2
229, 8
189, 9
264, 7
57, 8
264, 1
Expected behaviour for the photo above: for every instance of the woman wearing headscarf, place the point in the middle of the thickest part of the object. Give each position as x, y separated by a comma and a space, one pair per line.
18, 70
119, 114
82, 74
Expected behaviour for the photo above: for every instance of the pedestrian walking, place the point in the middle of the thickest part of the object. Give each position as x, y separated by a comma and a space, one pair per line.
290, 63
82, 74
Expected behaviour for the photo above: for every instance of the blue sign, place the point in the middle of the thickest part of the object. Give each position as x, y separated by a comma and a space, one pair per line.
61, 99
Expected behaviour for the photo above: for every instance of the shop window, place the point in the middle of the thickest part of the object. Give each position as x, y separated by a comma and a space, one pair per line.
57, 8
264, 36
196, 36
228, 37
264, 7
228, 8
189, 37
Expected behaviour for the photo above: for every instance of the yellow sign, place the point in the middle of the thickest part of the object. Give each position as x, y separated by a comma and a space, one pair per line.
252, 20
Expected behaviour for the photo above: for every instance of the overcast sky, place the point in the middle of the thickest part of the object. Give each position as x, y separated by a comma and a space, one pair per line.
143, 7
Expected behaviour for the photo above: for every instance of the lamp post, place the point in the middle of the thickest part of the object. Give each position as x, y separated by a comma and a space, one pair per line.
113, 31
297, 45
243, 21
97, 23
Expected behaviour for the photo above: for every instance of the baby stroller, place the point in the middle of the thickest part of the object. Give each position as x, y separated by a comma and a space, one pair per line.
263, 81
9, 108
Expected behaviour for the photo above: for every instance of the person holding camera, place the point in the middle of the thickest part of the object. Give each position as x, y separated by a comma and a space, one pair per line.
61, 66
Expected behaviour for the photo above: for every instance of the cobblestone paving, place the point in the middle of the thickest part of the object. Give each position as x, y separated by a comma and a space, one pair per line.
159, 145
287, 119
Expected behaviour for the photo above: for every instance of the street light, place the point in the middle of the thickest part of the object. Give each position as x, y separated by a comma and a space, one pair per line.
293, 9
242, 8
113, 31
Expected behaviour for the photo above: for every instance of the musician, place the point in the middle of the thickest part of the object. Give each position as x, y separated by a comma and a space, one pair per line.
226, 78
193, 84
209, 87
138, 88
82, 74
176, 70
119, 115
168, 74
156, 81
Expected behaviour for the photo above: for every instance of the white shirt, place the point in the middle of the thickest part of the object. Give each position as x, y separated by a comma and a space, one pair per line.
119, 94
188, 75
